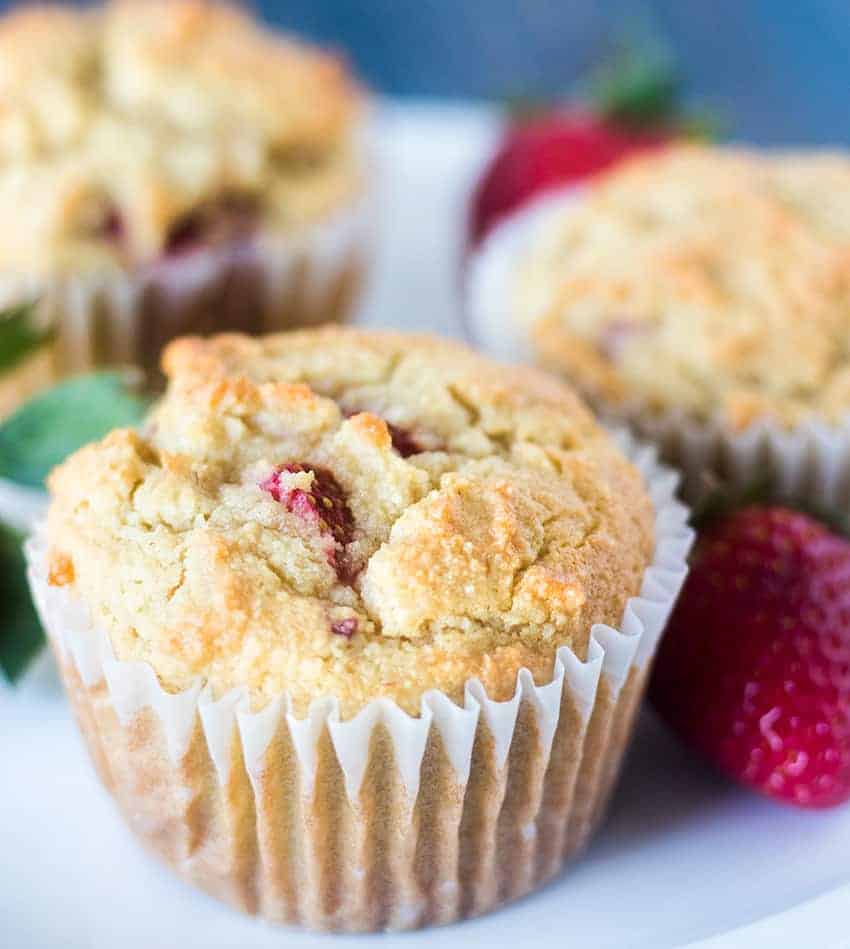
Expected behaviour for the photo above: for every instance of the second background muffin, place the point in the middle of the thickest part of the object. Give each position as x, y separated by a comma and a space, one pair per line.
702, 295
170, 167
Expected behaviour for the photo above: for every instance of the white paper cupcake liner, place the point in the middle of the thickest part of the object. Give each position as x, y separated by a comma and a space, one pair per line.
385, 820
810, 463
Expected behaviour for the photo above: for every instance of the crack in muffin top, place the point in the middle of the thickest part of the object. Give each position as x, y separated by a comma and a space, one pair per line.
266, 530
714, 280
118, 122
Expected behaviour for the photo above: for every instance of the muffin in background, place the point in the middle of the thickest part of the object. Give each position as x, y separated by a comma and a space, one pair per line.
357, 626
702, 293
169, 166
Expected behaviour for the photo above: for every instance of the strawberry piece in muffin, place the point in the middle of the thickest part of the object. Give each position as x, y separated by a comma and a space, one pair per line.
323, 506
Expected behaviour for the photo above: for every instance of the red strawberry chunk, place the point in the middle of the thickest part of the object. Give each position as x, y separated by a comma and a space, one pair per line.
403, 441
112, 226
345, 627
231, 218
616, 335
323, 506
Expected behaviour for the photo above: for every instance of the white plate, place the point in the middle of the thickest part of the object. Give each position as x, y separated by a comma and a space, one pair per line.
683, 858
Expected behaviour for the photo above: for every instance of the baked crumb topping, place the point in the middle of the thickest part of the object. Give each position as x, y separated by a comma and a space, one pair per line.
714, 280
127, 128
266, 532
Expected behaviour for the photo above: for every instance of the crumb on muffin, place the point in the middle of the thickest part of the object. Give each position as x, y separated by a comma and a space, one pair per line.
713, 280
356, 514
126, 127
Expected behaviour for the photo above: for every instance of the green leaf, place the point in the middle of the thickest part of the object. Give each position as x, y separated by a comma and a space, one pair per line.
720, 498
19, 335
57, 422
703, 124
637, 87
21, 636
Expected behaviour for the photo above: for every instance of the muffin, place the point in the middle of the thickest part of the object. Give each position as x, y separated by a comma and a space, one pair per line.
169, 166
696, 287
357, 626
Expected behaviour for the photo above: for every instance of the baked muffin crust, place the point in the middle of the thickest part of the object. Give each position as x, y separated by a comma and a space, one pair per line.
117, 122
354, 514
714, 280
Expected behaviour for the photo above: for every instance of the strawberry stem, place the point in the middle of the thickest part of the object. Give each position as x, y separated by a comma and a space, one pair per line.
721, 500
637, 87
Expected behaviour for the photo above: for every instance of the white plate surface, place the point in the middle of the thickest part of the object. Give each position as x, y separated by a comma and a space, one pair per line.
684, 858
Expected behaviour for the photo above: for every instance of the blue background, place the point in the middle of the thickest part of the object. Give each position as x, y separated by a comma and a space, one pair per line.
776, 70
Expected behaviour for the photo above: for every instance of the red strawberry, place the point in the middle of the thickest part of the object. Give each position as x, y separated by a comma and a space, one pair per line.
554, 150
754, 670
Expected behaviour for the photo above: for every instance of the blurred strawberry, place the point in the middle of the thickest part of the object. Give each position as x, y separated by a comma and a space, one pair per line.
633, 106
754, 670
547, 152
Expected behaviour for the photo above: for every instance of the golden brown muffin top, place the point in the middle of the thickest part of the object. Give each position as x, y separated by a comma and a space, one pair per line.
716, 280
141, 112
354, 514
